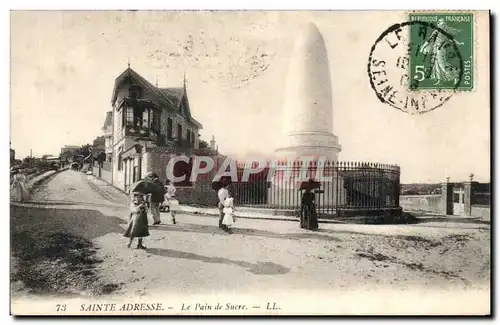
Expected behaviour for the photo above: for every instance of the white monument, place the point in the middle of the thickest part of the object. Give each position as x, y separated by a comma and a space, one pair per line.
308, 127
308, 107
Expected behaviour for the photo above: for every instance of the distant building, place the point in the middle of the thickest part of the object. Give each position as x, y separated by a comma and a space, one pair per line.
12, 155
52, 160
98, 144
67, 152
107, 130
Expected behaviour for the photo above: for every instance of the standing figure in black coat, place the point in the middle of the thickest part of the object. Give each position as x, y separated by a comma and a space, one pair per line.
308, 216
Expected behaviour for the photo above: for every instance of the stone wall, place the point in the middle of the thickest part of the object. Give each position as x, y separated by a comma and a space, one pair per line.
119, 175
433, 204
200, 194
421, 203
483, 212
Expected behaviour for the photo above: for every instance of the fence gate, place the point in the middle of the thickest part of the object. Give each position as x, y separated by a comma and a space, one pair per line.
458, 202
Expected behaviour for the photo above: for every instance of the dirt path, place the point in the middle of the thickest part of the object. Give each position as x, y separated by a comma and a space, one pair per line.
52, 237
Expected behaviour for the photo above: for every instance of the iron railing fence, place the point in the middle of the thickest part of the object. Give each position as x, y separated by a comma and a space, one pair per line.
343, 186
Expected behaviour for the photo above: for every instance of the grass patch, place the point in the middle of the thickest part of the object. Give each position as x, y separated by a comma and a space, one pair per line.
57, 263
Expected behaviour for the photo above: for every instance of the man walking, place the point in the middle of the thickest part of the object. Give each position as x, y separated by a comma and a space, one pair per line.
223, 195
156, 200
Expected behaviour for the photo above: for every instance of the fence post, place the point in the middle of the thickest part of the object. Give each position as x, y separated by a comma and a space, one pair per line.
446, 198
468, 198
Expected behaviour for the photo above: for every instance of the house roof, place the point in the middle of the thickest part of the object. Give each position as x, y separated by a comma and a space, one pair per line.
175, 94
166, 97
129, 73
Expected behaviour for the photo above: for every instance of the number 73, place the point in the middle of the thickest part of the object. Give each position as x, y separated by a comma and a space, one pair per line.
60, 307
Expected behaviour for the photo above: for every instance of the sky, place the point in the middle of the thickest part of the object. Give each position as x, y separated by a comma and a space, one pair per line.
63, 66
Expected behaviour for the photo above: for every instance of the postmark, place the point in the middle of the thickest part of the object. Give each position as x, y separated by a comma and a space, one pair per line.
433, 63
389, 69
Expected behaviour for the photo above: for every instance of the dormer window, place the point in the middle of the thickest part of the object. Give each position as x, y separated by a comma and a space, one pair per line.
134, 92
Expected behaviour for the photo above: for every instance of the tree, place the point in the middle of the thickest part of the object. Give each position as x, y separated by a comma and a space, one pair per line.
203, 144
85, 150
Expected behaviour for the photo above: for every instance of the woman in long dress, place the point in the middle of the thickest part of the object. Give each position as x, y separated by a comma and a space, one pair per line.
19, 187
138, 222
308, 216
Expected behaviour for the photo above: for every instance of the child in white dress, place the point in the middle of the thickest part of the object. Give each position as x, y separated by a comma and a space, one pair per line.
228, 212
171, 204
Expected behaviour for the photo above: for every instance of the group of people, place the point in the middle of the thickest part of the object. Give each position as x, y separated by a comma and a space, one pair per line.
19, 189
143, 204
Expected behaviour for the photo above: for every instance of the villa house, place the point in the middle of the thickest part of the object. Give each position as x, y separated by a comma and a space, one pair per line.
148, 122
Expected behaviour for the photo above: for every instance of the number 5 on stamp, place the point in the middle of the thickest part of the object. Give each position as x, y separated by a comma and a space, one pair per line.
442, 51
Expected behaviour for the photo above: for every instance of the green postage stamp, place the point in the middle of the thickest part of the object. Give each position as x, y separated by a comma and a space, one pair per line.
442, 51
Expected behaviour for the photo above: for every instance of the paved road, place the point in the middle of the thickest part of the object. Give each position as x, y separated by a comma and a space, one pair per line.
195, 257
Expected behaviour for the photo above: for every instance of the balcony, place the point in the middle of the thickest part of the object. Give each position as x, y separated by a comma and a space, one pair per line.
141, 132
141, 119
182, 144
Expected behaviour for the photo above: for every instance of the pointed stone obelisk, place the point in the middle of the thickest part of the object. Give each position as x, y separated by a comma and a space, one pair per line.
308, 107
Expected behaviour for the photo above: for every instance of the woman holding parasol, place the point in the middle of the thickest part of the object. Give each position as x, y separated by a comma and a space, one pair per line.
151, 190
308, 215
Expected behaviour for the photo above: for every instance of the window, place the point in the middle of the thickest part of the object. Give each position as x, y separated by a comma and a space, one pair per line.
119, 123
137, 117
134, 92
192, 137
179, 132
188, 136
120, 159
129, 115
155, 123
145, 118
169, 128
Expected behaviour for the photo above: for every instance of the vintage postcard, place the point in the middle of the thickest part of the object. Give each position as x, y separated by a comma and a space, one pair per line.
250, 163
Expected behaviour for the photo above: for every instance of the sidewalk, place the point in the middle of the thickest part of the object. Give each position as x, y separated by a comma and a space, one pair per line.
277, 214
244, 213
108, 190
